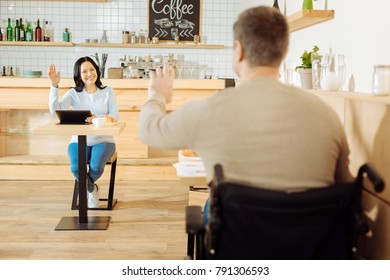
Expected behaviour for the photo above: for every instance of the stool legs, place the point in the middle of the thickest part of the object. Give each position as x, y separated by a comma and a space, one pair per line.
110, 199
75, 195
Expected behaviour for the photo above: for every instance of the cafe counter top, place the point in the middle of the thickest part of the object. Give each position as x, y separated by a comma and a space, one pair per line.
44, 82
24, 107
32, 93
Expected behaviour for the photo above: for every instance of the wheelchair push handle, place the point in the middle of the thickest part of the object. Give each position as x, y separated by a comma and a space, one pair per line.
372, 175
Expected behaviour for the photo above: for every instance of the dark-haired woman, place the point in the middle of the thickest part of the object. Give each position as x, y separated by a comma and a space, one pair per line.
88, 94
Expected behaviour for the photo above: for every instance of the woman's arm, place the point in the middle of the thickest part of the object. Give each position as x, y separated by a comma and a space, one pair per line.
113, 111
54, 103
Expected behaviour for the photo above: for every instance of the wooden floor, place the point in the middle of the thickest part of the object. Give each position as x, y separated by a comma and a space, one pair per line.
147, 223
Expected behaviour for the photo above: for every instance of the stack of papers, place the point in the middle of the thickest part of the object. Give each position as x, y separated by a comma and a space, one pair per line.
190, 169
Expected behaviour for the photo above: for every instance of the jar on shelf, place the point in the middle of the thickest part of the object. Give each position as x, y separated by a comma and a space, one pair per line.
125, 37
381, 80
133, 38
141, 37
196, 39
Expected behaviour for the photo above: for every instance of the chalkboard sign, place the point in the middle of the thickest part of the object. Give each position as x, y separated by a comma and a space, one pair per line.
169, 18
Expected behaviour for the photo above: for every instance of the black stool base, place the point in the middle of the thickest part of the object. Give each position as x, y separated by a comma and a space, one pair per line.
94, 223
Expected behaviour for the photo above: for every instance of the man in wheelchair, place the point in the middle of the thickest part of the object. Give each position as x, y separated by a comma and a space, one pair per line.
266, 136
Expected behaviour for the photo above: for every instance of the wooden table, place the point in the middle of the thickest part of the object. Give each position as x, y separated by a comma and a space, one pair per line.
198, 191
192, 181
82, 222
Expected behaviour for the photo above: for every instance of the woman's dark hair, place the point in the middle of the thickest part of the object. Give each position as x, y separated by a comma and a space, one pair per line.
77, 74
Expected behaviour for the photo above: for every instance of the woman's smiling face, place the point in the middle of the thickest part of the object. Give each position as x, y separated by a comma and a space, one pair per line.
88, 73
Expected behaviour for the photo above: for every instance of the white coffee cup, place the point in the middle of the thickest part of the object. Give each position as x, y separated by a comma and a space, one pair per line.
99, 121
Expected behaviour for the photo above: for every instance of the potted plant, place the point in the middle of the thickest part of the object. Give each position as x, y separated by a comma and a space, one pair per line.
305, 69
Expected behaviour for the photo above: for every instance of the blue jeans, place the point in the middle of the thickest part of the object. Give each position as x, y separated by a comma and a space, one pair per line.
206, 210
97, 155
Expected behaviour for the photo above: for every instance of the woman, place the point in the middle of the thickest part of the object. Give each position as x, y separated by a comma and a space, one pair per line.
88, 94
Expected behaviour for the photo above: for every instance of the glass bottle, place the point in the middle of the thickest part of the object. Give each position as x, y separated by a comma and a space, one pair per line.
65, 35
276, 5
49, 31
46, 32
29, 33
33, 26
38, 32
17, 31
9, 31
4, 30
307, 5
21, 30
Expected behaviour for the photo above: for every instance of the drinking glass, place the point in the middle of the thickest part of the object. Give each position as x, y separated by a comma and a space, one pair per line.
328, 71
192, 69
203, 71
289, 72
180, 67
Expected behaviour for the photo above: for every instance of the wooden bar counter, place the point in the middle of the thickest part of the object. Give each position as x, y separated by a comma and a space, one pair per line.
366, 120
27, 156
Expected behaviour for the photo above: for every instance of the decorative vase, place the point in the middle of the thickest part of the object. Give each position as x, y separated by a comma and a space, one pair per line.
307, 5
104, 37
306, 78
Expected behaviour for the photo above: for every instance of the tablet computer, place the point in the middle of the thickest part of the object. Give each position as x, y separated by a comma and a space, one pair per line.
73, 116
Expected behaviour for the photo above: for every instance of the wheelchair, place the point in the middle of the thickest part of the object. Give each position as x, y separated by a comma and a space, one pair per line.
248, 223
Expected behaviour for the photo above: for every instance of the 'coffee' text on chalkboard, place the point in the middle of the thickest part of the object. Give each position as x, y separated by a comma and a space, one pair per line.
171, 18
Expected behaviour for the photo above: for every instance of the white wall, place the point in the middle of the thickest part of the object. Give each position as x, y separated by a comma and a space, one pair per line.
360, 30
89, 19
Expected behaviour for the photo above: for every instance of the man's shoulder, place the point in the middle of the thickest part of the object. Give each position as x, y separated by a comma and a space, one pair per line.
223, 93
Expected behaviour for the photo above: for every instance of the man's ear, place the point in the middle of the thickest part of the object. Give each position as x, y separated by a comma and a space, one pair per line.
238, 51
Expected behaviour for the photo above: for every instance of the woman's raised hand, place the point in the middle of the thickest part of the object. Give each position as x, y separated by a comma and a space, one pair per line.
54, 75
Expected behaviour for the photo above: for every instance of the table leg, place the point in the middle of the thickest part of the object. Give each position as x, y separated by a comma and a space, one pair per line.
83, 222
82, 152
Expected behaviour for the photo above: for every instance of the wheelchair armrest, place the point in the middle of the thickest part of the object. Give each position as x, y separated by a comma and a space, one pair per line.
372, 175
194, 219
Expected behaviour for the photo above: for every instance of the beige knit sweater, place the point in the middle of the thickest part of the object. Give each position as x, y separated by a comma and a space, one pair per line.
262, 132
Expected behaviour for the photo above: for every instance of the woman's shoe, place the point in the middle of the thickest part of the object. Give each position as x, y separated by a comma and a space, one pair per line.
93, 198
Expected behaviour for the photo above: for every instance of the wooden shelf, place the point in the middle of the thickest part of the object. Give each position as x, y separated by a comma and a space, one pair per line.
113, 45
73, 0
153, 46
305, 18
37, 44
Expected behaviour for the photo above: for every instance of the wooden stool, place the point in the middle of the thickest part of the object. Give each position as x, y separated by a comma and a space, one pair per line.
110, 199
